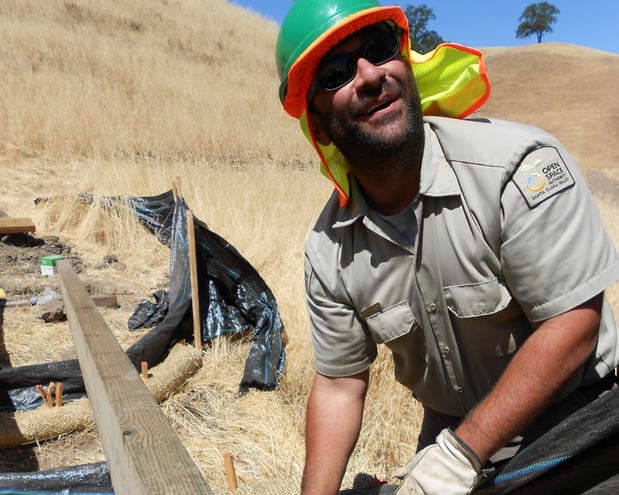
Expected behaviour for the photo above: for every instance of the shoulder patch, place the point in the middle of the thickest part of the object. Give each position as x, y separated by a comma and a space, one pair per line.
541, 175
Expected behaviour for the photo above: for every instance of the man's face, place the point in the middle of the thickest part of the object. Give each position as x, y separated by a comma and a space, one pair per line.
377, 112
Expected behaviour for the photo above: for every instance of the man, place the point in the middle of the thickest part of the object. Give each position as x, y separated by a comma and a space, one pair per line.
472, 249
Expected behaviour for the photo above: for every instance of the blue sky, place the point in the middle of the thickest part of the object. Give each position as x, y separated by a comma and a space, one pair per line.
484, 23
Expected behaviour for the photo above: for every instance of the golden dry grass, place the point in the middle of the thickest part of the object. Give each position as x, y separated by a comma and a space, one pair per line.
128, 97
565, 89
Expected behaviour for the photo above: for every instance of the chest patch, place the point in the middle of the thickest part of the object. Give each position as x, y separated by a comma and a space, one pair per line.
542, 174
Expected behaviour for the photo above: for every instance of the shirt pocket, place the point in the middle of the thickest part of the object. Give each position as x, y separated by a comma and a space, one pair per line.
391, 323
473, 300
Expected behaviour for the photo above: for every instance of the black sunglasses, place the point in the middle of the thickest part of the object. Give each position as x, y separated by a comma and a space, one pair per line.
382, 46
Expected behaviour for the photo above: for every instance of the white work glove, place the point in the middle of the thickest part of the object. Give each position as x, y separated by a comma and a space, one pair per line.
447, 467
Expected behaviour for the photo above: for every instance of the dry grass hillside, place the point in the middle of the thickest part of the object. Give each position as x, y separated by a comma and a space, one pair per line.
126, 97
567, 90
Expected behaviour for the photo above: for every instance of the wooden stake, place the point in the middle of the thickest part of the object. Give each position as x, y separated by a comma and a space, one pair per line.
195, 295
230, 473
176, 186
59, 394
42, 393
48, 395
144, 370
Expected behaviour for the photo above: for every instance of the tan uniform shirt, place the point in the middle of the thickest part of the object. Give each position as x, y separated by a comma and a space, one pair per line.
505, 232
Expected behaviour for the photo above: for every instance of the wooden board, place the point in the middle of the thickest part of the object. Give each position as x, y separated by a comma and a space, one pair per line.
102, 300
143, 452
10, 225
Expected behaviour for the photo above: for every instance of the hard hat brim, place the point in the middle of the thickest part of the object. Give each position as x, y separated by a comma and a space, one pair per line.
302, 72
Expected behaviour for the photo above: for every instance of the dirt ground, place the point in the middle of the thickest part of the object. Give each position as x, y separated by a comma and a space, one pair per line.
20, 256
26, 311
22, 281
24, 284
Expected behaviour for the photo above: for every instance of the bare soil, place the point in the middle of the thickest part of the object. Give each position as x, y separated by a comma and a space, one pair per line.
20, 256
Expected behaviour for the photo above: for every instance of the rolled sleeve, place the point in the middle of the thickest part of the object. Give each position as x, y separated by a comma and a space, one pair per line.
341, 346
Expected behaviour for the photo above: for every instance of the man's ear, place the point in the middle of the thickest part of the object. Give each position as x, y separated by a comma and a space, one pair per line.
317, 129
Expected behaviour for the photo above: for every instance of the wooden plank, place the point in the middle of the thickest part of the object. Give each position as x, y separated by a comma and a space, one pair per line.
10, 225
144, 454
105, 300
102, 300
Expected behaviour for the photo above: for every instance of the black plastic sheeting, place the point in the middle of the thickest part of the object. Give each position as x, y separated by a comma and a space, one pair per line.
154, 212
233, 298
149, 314
85, 479
579, 455
17, 390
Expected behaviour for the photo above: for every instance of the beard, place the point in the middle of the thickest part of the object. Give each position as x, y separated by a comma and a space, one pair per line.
398, 137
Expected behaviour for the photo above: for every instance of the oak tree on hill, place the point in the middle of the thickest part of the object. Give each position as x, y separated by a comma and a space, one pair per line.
423, 40
536, 19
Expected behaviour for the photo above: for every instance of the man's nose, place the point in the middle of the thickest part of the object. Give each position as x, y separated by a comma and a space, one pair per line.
368, 74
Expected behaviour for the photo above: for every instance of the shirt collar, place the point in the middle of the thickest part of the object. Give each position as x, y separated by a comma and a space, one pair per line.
437, 179
356, 207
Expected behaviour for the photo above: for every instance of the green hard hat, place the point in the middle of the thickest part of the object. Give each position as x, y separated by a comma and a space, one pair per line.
312, 27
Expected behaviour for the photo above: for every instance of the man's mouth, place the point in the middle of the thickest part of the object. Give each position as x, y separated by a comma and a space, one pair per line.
379, 107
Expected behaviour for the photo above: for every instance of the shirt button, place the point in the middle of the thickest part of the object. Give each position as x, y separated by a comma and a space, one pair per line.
446, 351
432, 308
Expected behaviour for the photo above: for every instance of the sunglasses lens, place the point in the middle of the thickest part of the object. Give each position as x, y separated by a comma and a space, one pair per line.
336, 73
339, 71
382, 49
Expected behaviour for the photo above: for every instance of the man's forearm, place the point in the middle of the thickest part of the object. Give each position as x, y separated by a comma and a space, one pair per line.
334, 414
533, 379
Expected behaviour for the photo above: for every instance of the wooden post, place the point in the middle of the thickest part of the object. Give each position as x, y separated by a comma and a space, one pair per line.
230, 473
143, 452
48, 395
144, 366
41, 390
59, 394
195, 295
176, 188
